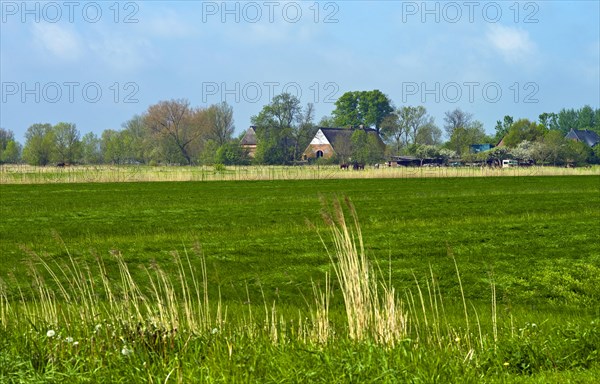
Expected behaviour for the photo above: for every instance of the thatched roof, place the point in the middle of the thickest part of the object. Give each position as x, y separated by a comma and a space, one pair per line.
250, 136
586, 136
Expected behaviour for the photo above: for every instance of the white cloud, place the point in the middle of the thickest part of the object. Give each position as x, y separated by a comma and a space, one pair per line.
60, 42
121, 53
167, 24
513, 44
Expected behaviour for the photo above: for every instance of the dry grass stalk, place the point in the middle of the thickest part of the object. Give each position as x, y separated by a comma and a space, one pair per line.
369, 315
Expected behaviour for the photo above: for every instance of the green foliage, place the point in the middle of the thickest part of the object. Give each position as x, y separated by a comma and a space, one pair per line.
11, 153
232, 153
10, 150
221, 123
502, 127
463, 137
522, 130
549, 121
366, 147
567, 119
536, 248
113, 147
209, 154
578, 153
91, 150
39, 144
367, 108
283, 130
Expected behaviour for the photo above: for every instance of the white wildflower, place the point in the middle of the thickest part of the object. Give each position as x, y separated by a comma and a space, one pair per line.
50, 333
126, 351
69, 339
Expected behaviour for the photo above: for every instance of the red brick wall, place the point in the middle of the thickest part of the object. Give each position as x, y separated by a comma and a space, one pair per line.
311, 151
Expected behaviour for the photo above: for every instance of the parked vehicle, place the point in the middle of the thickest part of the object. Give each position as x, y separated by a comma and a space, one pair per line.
509, 163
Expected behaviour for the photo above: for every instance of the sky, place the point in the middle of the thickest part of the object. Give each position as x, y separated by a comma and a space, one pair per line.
98, 64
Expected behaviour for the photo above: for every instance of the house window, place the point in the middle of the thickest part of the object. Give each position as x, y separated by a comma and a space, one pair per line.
319, 154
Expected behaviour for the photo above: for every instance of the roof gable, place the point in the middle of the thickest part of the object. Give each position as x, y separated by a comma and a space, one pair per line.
338, 136
250, 137
586, 136
320, 139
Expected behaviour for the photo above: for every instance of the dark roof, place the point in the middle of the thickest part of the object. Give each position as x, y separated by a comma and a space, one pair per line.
250, 136
337, 135
586, 136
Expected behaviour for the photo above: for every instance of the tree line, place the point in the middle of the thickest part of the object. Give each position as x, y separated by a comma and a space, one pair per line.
175, 132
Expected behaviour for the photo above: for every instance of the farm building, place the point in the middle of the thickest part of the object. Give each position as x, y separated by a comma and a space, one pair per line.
412, 161
329, 142
586, 136
248, 142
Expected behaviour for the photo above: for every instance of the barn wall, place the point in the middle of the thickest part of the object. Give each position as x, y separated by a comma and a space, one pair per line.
311, 151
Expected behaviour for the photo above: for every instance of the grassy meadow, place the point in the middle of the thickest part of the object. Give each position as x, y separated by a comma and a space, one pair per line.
490, 279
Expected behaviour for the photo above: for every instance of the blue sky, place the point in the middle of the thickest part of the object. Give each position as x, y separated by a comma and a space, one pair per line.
97, 64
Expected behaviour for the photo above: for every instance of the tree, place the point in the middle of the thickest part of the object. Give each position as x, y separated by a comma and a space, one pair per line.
326, 122
343, 149
549, 120
91, 152
67, 143
417, 118
577, 152
366, 148
12, 153
497, 154
231, 153
39, 144
423, 152
567, 120
6, 135
463, 137
366, 108
429, 134
524, 151
404, 124
140, 141
180, 125
521, 130
221, 123
282, 127
303, 133
113, 147
551, 147
10, 150
586, 118
393, 130
456, 119
503, 127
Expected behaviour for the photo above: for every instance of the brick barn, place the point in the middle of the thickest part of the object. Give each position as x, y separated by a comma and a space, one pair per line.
329, 142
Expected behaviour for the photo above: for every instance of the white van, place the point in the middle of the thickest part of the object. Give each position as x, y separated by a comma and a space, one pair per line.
509, 163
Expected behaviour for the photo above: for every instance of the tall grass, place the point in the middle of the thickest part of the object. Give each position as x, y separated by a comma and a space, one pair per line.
372, 309
178, 304
25, 174
76, 309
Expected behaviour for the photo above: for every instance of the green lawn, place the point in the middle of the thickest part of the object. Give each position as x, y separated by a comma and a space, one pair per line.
537, 238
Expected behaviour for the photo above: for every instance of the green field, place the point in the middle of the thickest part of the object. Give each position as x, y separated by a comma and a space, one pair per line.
534, 240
